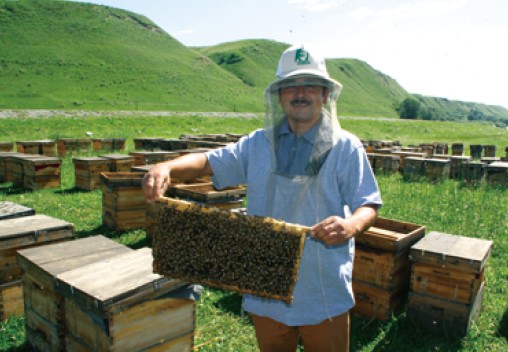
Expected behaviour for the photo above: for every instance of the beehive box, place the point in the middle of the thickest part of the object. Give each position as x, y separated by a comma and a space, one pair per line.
219, 248
172, 144
10, 210
414, 168
456, 163
45, 147
5, 172
457, 149
15, 167
389, 271
41, 173
473, 172
87, 171
6, 146
447, 280
390, 235
147, 143
151, 157
24, 232
497, 174
123, 201
441, 315
375, 302
108, 143
193, 144
73, 145
11, 299
437, 169
207, 194
44, 306
408, 152
119, 162
119, 304
386, 164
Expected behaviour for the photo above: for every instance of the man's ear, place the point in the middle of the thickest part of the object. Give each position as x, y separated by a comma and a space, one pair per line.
326, 94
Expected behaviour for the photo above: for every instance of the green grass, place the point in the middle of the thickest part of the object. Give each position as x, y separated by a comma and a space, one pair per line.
447, 207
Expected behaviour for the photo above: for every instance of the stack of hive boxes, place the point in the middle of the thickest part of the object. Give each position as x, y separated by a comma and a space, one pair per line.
72, 145
381, 268
44, 147
21, 228
123, 202
87, 171
11, 292
41, 173
94, 294
447, 281
119, 162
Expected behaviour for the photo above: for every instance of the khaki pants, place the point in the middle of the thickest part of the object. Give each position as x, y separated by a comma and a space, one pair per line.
327, 336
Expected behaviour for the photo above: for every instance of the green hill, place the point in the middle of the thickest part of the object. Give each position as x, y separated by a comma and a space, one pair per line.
69, 55
58, 54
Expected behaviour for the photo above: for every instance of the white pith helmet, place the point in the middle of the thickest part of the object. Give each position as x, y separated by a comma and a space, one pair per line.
296, 62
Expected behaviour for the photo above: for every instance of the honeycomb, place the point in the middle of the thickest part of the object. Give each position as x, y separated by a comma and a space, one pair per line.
227, 250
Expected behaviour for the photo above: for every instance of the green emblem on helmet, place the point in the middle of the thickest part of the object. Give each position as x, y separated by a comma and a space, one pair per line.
302, 57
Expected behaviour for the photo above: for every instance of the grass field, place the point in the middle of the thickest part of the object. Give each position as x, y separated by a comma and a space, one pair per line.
447, 207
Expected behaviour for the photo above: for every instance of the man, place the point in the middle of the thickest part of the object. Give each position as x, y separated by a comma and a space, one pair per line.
301, 168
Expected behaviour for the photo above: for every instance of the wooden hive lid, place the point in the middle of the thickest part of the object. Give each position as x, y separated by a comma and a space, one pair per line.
121, 179
452, 251
497, 165
90, 160
206, 192
116, 157
110, 285
10, 210
28, 230
45, 262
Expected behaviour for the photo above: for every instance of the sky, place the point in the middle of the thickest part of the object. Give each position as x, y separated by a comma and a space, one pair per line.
455, 49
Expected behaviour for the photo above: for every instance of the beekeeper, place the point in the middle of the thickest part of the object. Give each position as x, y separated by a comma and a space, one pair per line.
304, 169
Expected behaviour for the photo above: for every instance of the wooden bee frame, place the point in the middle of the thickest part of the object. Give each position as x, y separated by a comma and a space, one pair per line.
226, 250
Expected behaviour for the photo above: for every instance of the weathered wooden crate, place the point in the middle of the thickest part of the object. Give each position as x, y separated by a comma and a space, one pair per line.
447, 280
108, 143
386, 270
73, 145
11, 210
172, 144
447, 251
123, 201
414, 168
87, 171
193, 144
436, 169
45, 147
404, 154
455, 285
44, 306
476, 151
385, 163
473, 172
24, 232
119, 304
207, 194
442, 315
6, 146
147, 143
5, 168
11, 299
42, 173
489, 151
15, 167
148, 157
119, 162
456, 163
391, 235
497, 174
457, 149
227, 250
375, 302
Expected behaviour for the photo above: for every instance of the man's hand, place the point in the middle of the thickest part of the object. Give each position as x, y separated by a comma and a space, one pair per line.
334, 230
156, 182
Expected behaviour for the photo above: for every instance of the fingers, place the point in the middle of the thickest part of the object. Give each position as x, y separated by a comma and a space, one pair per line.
331, 231
155, 185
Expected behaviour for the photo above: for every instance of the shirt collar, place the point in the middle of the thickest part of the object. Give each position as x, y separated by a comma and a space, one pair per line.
309, 135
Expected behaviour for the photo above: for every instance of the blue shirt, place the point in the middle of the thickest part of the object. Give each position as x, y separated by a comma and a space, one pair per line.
346, 182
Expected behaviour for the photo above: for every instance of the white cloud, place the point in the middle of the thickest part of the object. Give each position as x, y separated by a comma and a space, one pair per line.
362, 13
317, 5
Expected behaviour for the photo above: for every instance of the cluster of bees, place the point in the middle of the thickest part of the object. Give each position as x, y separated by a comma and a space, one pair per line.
225, 250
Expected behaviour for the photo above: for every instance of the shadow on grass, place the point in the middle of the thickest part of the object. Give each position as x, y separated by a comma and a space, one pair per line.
231, 302
503, 325
398, 334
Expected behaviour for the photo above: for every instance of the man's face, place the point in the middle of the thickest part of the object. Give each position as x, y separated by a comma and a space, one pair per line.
302, 102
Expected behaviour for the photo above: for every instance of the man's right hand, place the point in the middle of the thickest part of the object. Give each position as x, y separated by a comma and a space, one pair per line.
156, 182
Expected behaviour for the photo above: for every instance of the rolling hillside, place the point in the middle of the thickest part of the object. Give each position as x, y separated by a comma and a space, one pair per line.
68, 55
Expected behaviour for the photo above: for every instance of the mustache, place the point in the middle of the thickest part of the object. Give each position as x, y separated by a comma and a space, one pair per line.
300, 101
